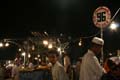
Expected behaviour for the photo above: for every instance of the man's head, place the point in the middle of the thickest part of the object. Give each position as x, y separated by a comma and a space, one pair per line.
97, 44
98, 41
53, 56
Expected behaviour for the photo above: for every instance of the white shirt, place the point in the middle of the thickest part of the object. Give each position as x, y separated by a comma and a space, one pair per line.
58, 72
90, 67
66, 63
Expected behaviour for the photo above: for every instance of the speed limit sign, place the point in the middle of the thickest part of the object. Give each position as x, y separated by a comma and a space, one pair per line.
101, 17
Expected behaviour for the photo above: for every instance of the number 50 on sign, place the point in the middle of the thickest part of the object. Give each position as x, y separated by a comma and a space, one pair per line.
101, 17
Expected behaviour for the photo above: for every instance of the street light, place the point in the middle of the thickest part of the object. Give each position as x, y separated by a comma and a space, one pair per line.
59, 49
1, 44
113, 26
50, 46
20, 49
45, 42
6, 43
80, 43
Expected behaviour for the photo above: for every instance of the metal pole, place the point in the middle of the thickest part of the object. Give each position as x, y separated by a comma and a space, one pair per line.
102, 54
115, 14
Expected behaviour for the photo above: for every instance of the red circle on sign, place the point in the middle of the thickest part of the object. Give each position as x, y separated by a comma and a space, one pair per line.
102, 17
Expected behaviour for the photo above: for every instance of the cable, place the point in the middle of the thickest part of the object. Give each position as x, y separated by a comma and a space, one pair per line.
91, 35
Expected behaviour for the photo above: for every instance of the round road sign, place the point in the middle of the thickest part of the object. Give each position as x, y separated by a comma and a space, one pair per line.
101, 17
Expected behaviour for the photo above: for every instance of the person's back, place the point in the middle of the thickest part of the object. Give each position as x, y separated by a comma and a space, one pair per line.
90, 66
88, 70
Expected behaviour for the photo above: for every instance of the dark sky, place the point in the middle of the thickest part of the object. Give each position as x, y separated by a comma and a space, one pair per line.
70, 17
73, 17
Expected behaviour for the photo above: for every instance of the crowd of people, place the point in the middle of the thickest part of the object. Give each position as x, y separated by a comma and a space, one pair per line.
87, 67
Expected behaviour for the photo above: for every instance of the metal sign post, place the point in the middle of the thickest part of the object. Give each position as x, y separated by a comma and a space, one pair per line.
102, 54
101, 19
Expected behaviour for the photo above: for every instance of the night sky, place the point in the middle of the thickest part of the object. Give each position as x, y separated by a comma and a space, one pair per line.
69, 17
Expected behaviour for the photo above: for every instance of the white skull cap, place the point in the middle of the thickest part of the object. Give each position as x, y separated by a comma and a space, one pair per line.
98, 41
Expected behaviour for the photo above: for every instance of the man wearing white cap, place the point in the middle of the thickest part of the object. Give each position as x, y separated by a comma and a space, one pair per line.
90, 67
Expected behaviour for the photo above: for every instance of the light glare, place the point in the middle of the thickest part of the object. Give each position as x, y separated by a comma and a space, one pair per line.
113, 26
